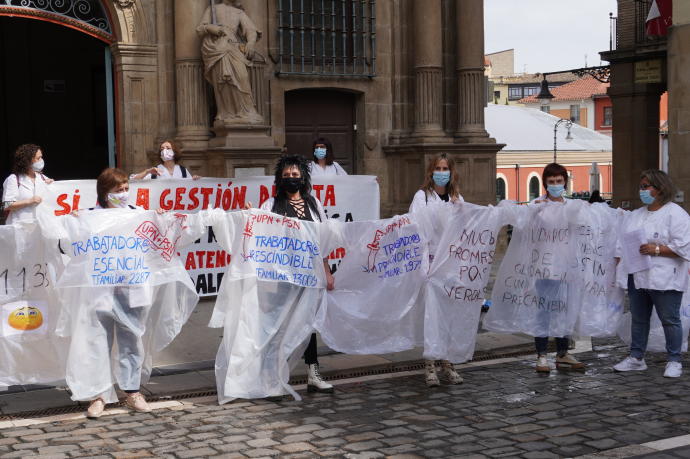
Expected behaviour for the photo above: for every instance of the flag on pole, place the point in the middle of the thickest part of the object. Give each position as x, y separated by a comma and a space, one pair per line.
659, 18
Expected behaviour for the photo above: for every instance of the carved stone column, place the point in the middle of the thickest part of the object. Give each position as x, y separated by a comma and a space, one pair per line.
428, 69
470, 67
192, 95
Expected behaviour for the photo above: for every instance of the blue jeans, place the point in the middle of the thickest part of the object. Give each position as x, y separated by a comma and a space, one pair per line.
667, 305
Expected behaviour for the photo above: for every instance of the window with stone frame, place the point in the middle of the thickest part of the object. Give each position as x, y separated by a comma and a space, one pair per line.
327, 37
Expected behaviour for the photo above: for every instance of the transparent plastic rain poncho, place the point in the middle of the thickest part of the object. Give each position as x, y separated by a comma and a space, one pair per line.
374, 308
268, 300
124, 292
30, 351
602, 299
454, 291
538, 290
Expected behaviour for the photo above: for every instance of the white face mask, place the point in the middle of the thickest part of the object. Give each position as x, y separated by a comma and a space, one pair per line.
118, 199
167, 154
38, 165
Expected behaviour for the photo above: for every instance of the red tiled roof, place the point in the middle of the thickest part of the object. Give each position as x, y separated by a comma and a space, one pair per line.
487, 62
583, 88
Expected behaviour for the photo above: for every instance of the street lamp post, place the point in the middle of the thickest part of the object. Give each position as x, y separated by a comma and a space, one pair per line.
568, 125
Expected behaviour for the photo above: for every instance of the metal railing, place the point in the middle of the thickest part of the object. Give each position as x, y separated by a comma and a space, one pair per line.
327, 37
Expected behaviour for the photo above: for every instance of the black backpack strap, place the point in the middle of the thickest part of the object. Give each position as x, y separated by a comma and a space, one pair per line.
184, 171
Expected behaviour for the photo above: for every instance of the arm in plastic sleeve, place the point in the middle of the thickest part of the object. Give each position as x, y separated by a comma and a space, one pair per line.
680, 233
332, 236
510, 213
418, 202
267, 205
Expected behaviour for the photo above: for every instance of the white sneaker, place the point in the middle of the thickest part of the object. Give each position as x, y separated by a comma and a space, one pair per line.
315, 383
673, 370
542, 365
630, 363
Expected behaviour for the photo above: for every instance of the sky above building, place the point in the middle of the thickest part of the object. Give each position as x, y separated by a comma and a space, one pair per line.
549, 35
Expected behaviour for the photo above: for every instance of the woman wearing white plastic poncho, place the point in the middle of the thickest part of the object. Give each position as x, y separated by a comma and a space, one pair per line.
665, 237
555, 180
294, 199
268, 314
119, 310
441, 185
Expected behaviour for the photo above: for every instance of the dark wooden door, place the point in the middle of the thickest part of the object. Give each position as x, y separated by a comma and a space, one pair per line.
53, 93
312, 113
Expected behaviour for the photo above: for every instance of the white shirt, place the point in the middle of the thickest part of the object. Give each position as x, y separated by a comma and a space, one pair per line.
164, 173
669, 226
19, 190
333, 169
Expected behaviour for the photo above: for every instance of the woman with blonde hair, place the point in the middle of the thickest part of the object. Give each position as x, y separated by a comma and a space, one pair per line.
441, 185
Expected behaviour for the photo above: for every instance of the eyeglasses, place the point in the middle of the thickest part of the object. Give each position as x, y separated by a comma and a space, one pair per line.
644, 186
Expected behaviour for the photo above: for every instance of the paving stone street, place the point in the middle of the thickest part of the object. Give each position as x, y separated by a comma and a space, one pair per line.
503, 409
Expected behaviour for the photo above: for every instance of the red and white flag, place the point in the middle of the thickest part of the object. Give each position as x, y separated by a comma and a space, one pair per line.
659, 18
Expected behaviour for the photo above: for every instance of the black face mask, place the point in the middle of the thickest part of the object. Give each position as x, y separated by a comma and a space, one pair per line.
292, 184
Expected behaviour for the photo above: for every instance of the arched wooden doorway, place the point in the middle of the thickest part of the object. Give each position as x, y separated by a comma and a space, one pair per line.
56, 85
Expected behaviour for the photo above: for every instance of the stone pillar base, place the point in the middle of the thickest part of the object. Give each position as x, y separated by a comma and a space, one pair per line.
241, 136
407, 163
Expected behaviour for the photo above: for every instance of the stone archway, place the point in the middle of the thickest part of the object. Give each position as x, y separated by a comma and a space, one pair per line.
123, 26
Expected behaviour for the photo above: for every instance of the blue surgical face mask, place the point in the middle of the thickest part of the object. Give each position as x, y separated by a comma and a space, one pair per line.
320, 152
441, 178
555, 191
646, 197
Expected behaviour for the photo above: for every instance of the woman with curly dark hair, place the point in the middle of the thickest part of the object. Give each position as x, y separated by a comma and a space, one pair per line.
294, 199
23, 189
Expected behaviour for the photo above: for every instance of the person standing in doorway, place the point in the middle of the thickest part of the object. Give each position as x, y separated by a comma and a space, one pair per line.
322, 160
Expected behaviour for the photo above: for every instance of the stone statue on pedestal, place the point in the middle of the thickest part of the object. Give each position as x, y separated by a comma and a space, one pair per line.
228, 38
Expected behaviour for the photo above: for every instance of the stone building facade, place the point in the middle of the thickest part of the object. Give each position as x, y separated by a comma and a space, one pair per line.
390, 82
642, 68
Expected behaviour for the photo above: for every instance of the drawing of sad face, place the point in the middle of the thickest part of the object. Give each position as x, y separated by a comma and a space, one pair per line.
25, 318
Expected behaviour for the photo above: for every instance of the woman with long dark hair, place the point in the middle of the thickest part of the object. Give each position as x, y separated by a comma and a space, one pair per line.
294, 199
323, 160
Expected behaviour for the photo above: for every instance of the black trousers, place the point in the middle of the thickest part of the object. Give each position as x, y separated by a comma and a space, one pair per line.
310, 356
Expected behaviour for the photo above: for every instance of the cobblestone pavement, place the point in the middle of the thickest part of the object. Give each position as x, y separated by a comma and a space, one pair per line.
502, 410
